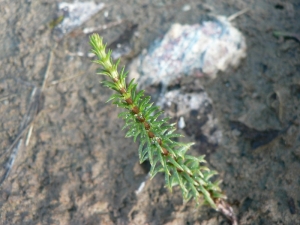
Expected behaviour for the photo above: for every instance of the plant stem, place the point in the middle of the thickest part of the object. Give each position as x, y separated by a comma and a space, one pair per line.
165, 155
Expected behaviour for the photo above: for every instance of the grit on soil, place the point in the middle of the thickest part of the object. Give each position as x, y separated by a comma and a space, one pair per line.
79, 169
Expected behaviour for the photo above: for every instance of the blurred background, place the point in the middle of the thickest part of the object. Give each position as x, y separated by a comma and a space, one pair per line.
64, 158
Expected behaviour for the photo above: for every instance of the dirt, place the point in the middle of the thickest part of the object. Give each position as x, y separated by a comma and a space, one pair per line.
79, 169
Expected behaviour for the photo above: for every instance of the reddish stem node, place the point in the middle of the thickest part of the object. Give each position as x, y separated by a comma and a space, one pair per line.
147, 125
135, 110
122, 91
150, 134
129, 101
165, 151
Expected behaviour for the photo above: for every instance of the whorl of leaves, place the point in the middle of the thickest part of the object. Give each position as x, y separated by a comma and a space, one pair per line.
156, 136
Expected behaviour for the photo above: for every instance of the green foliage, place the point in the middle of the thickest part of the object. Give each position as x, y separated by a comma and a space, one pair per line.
156, 135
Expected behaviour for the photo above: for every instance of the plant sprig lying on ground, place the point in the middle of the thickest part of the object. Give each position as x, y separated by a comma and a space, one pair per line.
157, 144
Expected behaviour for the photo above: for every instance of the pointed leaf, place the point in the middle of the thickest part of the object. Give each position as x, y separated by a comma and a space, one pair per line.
180, 181
109, 84
124, 115
218, 195
172, 130
155, 116
133, 90
150, 152
126, 125
190, 181
174, 135
153, 166
121, 104
167, 180
105, 73
181, 151
158, 169
175, 164
138, 96
123, 73
115, 66
144, 156
187, 197
140, 150
130, 85
131, 132
204, 168
186, 169
207, 197
144, 102
150, 110
200, 159
174, 181
200, 181
210, 174
193, 165
136, 135
114, 96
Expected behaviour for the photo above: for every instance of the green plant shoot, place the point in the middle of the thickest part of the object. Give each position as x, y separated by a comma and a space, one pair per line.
157, 144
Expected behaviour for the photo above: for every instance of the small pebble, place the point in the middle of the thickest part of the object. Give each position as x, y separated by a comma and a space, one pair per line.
205, 48
186, 8
181, 123
91, 55
236, 133
141, 187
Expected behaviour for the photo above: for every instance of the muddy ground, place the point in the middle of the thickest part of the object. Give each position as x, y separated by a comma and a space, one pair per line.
78, 168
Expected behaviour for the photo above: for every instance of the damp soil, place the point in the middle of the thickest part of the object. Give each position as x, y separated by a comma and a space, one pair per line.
77, 167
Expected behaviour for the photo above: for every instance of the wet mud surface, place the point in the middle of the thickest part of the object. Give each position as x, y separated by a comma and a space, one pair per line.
78, 168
